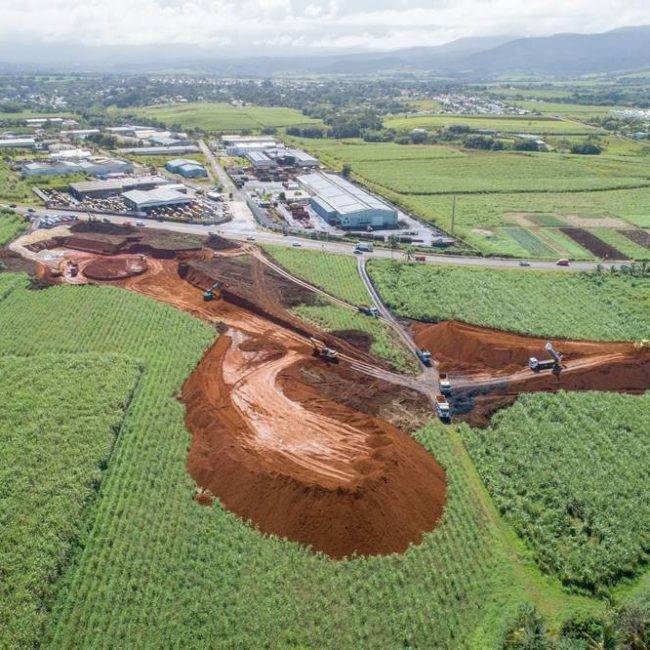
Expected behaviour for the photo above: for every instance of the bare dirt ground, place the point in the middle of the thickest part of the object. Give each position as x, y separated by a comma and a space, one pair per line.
319, 453
489, 368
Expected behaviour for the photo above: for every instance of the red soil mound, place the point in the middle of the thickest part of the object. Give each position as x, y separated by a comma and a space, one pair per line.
304, 467
461, 347
115, 268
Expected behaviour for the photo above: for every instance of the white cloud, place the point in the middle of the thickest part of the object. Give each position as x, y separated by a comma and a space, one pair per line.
262, 26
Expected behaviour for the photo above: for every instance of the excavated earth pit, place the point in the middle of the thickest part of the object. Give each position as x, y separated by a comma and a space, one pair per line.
115, 267
320, 453
488, 368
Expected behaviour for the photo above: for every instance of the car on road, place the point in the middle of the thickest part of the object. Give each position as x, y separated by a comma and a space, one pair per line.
31, 210
296, 244
13, 205
562, 262
524, 263
250, 238
140, 224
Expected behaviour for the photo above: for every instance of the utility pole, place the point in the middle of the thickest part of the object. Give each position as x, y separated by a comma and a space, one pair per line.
453, 213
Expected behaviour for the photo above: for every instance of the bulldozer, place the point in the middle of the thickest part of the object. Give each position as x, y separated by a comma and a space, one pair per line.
323, 352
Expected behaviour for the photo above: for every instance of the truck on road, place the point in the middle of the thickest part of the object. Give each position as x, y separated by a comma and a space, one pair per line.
445, 384
368, 311
425, 357
443, 410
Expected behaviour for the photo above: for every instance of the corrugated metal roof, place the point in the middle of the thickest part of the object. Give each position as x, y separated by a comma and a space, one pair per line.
342, 195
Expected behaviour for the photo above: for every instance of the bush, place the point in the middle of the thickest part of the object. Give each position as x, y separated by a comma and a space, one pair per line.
526, 631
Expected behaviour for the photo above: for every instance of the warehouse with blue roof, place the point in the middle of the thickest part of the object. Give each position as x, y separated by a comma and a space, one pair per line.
186, 168
342, 203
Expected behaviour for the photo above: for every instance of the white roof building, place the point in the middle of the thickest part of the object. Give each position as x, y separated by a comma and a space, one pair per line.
143, 200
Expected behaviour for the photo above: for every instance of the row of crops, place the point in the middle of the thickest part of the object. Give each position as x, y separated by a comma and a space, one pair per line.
156, 569
56, 433
575, 484
563, 305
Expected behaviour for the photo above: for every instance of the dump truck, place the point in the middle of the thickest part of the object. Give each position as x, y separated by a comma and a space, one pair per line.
425, 357
445, 384
368, 311
555, 362
323, 352
443, 410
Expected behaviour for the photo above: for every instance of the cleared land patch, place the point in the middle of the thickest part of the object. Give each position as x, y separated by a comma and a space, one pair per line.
56, 434
592, 243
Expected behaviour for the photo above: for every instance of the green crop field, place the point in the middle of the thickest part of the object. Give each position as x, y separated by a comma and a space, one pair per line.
575, 486
222, 117
506, 172
153, 568
526, 124
56, 432
336, 274
11, 225
543, 303
580, 111
492, 189
385, 345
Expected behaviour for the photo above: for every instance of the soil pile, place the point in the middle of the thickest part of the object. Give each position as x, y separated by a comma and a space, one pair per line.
300, 465
459, 347
115, 268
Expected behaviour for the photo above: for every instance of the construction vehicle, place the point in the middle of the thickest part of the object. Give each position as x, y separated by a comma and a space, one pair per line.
213, 292
445, 384
643, 344
323, 352
368, 311
425, 357
555, 362
443, 410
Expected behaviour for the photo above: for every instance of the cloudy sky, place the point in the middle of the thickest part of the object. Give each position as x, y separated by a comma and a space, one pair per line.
248, 27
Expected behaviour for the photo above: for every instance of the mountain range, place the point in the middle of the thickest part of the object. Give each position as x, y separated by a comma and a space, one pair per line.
622, 49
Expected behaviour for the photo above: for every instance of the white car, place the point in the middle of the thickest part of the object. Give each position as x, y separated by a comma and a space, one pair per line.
250, 238
140, 224
296, 244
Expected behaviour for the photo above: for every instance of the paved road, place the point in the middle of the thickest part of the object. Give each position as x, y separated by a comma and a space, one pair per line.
243, 226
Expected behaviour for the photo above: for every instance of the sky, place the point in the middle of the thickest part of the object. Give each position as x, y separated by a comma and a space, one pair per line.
263, 27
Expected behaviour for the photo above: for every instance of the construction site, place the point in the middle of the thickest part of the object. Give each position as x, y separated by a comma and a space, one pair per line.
306, 433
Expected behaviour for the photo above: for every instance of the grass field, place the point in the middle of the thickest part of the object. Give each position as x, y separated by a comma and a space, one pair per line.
24, 115
153, 568
222, 117
502, 124
581, 111
11, 225
563, 305
506, 172
575, 487
13, 187
56, 433
336, 274
385, 343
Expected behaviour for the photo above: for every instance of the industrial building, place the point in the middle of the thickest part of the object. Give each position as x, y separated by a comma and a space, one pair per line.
71, 154
92, 167
260, 160
293, 157
17, 143
342, 203
186, 168
161, 151
145, 200
112, 187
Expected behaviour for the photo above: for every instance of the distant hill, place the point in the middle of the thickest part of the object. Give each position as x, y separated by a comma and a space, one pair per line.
627, 48
481, 57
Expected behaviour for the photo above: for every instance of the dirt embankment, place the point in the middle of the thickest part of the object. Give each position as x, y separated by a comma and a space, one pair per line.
278, 446
300, 465
115, 267
489, 368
